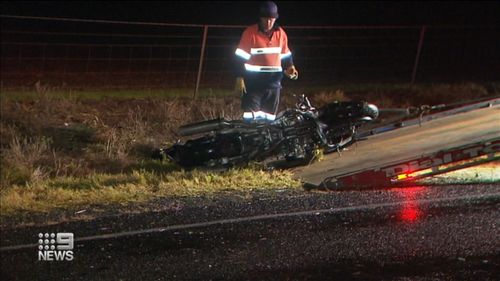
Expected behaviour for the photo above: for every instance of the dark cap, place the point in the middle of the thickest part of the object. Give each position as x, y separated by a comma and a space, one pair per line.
268, 9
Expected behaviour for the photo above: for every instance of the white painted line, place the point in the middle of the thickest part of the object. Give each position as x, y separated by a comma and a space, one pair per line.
264, 217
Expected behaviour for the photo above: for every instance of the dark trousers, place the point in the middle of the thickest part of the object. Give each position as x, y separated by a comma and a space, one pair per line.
266, 100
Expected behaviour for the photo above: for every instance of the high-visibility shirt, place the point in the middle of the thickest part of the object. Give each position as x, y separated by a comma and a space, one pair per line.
264, 56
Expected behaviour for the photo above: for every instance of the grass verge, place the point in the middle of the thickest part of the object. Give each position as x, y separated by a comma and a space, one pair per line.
62, 148
137, 186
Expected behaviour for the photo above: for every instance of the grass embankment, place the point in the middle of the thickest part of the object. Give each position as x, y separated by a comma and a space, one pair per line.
68, 148
136, 186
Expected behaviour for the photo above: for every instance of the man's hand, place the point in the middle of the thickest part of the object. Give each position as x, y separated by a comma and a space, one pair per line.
292, 73
239, 87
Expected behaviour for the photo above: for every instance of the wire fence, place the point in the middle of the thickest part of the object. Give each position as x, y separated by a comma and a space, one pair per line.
98, 54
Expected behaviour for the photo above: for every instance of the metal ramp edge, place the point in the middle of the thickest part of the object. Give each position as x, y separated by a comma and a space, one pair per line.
478, 132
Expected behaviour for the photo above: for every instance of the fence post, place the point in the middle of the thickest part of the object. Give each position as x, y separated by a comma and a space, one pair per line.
148, 73
43, 58
88, 60
200, 66
417, 57
109, 76
66, 60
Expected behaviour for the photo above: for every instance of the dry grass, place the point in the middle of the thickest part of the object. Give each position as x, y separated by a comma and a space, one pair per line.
51, 138
137, 186
77, 148
23, 161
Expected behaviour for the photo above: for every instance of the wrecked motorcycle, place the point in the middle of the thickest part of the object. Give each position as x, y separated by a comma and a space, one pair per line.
293, 138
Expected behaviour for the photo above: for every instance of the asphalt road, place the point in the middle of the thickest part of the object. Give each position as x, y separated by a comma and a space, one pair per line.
415, 233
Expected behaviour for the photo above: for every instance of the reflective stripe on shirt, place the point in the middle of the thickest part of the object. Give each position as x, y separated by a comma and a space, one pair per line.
282, 56
261, 68
239, 52
271, 50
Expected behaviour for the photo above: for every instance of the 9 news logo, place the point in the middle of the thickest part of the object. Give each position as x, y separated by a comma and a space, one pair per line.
55, 247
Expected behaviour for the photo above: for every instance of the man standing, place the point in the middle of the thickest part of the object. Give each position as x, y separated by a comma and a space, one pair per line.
263, 54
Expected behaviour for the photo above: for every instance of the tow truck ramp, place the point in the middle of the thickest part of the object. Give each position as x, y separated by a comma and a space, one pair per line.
399, 153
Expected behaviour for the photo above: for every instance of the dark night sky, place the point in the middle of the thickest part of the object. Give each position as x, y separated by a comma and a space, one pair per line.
292, 12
